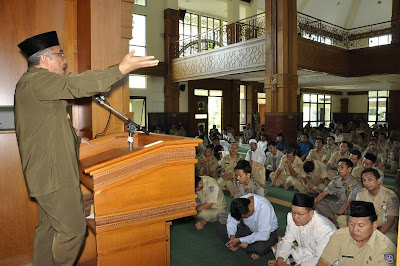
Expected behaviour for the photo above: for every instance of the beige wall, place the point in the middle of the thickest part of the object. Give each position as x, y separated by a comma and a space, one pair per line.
357, 103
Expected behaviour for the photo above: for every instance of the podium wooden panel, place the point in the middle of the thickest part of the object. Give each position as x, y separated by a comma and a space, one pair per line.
136, 193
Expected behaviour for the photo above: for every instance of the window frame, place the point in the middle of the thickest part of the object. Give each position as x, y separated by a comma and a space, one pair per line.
316, 103
377, 97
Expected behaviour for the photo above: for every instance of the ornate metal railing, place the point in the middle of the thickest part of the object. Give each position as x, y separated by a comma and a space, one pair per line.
307, 27
321, 31
249, 28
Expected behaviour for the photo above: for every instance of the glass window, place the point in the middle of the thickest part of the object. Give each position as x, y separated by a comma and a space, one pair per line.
200, 92
200, 116
316, 109
380, 40
377, 107
137, 82
137, 105
215, 93
208, 28
138, 41
140, 2
242, 107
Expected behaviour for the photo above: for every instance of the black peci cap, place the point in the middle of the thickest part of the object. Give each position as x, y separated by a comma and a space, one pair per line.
303, 200
362, 209
39, 42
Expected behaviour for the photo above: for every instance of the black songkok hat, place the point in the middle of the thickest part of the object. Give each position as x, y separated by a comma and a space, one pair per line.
303, 200
361, 209
370, 157
38, 43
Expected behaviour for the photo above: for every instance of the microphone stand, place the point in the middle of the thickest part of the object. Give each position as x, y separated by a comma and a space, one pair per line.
132, 126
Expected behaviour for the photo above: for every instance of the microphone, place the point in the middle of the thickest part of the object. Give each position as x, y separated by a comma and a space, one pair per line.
100, 99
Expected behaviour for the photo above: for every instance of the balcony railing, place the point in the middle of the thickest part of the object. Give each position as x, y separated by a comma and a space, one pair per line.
307, 27
249, 28
355, 38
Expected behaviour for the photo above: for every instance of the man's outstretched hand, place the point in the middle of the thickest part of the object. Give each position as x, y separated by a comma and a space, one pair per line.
131, 63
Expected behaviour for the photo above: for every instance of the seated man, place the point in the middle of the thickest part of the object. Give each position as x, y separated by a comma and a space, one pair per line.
262, 143
291, 166
360, 243
252, 225
228, 164
385, 202
312, 178
210, 200
245, 182
355, 158
330, 148
305, 146
310, 230
332, 164
273, 158
208, 164
368, 161
395, 155
378, 152
256, 157
345, 187
318, 152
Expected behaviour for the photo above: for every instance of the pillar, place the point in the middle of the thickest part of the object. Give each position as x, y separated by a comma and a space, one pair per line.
281, 69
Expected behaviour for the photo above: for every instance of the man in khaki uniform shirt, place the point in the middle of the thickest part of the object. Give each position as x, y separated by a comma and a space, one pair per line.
355, 157
228, 164
210, 200
49, 146
378, 152
245, 182
208, 164
367, 162
312, 178
318, 152
331, 166
385, 202
360, 243
345, 187
291, 166
330, 148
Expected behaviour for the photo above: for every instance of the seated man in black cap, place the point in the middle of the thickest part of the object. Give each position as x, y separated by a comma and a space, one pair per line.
307, 233
252, 225
360, 243
49, 146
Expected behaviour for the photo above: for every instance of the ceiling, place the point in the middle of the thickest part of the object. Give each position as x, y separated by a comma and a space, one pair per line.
344, 13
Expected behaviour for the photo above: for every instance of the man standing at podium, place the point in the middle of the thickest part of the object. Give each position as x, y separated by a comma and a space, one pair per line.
48, 144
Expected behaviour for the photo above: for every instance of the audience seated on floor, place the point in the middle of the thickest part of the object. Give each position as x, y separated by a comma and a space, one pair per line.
394, 156
291, 166
256, 157
307, 234
245, 183
207, 164
228, 164
368, 161
385, 202
210, 200
344, 186
252, 225
360, 243
227, 136
331, 166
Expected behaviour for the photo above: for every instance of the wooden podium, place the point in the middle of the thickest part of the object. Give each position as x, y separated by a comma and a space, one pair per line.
136, 193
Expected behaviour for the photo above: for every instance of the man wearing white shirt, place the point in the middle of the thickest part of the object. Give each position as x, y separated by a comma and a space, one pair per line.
252, 225
256, 157
263, 143
310, 230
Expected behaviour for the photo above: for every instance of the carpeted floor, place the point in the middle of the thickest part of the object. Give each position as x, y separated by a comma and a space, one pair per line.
192, 247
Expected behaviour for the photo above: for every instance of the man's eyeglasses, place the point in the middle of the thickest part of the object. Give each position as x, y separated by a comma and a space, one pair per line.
58, 53
299, 214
